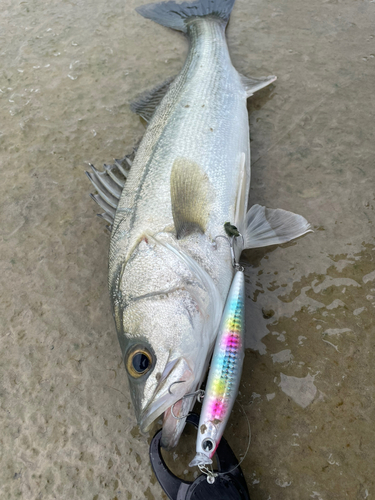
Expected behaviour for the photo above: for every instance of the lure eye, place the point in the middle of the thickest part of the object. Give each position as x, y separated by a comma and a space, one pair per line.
207, 445
139, 362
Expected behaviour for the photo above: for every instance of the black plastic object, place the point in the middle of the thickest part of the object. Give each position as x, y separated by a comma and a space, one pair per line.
227, 486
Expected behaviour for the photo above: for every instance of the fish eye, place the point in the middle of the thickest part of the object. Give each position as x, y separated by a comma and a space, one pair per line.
139, 361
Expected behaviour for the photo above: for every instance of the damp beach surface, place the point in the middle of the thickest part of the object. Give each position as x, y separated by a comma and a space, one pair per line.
68, 73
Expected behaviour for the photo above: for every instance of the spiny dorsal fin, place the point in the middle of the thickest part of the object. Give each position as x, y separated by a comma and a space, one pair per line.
146, 103
251, 84
190, 197
109, 185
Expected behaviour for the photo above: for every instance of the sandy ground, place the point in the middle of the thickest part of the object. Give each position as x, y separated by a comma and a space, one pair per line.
69, 70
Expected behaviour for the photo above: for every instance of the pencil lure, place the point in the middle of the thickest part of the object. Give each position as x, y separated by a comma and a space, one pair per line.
225, 374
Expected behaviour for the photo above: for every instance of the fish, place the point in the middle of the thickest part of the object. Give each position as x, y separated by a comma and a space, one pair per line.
224, 375
170, 264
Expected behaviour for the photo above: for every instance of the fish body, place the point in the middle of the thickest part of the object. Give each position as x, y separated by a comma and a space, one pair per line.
170, 265
200, 136
225, 374
199, 139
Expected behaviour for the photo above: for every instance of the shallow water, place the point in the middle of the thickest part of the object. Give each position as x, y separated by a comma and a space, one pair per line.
68, 72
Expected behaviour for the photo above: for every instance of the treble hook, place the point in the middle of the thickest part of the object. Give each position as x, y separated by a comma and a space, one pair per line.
235, 264
220, 236
233, 234
199, 393
177, 382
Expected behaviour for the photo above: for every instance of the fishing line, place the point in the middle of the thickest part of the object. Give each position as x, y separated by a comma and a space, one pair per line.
202, 467
248, 442
211, 475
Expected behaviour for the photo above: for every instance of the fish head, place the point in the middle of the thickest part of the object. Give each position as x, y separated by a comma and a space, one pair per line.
165, 357
166, 335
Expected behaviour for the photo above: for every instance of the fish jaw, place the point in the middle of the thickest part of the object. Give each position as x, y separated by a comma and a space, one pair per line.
172, 426
174, 384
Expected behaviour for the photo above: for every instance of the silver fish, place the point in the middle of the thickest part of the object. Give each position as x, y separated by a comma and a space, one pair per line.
170, 265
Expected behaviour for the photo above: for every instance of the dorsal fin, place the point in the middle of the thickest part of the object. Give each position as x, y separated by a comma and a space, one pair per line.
109, 185
147, 102
251, 85
190, 193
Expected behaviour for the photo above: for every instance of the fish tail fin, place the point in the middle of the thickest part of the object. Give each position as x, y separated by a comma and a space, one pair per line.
176, 15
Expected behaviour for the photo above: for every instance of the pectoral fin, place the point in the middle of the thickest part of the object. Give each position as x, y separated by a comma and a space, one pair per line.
190, 195
251, 85
268, 226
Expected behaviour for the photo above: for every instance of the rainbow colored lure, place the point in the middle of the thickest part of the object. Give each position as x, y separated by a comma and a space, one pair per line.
225, 374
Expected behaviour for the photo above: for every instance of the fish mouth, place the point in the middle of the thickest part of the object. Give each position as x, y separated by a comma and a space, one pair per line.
175, 382
172, 426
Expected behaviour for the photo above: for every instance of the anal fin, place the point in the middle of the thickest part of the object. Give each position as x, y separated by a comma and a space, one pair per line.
251, 85
267, 226
190, 197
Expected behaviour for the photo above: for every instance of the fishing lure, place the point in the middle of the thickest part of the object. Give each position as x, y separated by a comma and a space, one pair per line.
225, 374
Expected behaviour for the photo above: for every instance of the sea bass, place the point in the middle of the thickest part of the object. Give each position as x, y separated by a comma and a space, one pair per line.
170, 264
